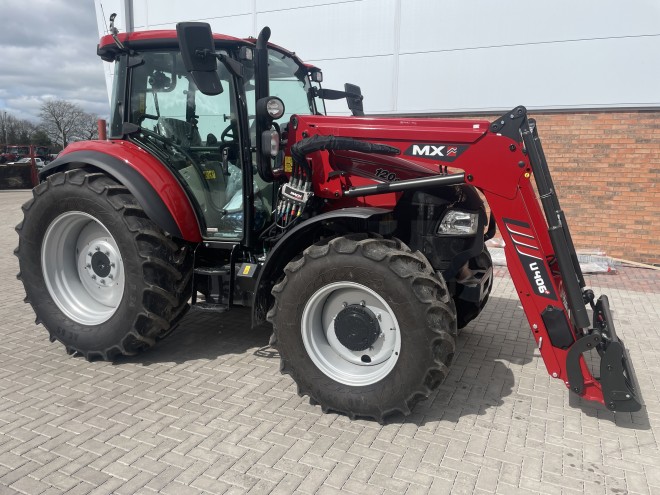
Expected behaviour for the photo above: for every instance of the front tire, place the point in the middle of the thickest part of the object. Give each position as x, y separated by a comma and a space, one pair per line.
100, 275
364, 326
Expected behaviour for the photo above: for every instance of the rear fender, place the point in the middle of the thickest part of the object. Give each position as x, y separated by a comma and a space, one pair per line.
298, 239
154, 186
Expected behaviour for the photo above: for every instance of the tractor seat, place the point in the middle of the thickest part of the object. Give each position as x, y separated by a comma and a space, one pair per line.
180, 131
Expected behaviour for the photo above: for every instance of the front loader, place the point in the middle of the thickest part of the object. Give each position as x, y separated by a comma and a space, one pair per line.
361, 239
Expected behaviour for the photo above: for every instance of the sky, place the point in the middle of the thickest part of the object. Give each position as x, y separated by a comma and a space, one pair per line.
48, 50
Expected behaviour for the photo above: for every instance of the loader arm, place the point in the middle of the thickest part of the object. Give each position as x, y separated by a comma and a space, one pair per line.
500, 159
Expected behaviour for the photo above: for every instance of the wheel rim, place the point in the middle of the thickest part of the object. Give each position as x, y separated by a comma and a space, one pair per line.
82, 267
334, 359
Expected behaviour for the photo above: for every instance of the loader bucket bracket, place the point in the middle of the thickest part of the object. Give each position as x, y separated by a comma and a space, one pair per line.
573, 366
617, 377
620, 389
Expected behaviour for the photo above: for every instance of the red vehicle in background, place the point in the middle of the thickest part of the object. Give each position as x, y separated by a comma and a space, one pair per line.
13, 153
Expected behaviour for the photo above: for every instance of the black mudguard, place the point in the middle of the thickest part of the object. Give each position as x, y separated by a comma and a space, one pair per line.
294, 242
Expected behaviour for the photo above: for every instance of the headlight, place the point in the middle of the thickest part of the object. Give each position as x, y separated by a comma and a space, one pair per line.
275, 108
457, 222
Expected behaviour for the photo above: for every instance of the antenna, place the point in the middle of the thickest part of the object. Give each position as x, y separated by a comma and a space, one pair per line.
103, 14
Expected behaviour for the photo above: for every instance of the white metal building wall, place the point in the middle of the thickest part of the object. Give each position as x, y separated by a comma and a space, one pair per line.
448, 56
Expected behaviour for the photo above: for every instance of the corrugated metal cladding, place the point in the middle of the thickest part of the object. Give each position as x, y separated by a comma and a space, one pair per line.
437, 56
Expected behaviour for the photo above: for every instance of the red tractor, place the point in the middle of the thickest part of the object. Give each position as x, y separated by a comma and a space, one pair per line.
223, 183
14, 153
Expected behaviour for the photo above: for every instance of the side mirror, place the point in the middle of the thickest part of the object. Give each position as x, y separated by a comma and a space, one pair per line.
198, 54
354, 99
351, 92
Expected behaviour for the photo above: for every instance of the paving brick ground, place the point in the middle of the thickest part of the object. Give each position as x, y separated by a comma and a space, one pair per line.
207, 411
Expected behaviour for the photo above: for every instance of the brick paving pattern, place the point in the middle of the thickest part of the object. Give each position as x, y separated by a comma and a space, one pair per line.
207, 411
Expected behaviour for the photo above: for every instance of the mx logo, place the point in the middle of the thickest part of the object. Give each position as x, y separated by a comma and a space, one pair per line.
435, 151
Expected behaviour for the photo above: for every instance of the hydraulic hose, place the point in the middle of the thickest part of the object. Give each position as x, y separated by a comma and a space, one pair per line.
318, 143
295, 194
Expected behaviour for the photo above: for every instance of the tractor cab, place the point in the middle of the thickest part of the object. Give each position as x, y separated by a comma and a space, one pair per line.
207, 138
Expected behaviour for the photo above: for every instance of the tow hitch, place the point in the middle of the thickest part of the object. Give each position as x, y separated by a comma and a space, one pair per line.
619, 385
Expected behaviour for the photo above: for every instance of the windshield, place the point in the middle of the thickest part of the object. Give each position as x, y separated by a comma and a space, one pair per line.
288, 81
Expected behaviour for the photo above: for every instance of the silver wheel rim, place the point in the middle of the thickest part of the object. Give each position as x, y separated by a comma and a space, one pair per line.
354, 368
88, 292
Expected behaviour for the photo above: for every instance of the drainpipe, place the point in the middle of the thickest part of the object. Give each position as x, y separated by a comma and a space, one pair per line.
128, 16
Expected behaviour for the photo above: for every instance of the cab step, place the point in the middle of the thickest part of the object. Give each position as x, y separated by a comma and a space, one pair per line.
208, 307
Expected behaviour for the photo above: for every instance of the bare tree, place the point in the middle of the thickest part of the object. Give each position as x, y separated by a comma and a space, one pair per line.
5, 124
88, 127
61, 120
23, 130
15, 131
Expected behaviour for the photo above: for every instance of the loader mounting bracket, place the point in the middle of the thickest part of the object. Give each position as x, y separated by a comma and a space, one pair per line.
509, 124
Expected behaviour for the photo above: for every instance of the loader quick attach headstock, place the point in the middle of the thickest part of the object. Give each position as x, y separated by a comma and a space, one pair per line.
557, 273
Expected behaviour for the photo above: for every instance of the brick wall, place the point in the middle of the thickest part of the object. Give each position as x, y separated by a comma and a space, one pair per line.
606, 168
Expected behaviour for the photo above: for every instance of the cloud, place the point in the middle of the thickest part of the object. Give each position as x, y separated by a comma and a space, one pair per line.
48, 51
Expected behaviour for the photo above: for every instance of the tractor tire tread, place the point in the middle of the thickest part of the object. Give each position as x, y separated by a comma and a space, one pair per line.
413, 269
166, 264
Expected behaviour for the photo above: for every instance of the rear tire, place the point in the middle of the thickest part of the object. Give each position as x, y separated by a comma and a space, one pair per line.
100, 275
394, 292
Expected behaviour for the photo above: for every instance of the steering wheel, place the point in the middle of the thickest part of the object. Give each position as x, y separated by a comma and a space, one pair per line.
228, 134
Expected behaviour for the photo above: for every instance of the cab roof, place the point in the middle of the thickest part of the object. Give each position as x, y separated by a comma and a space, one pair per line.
107, 48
